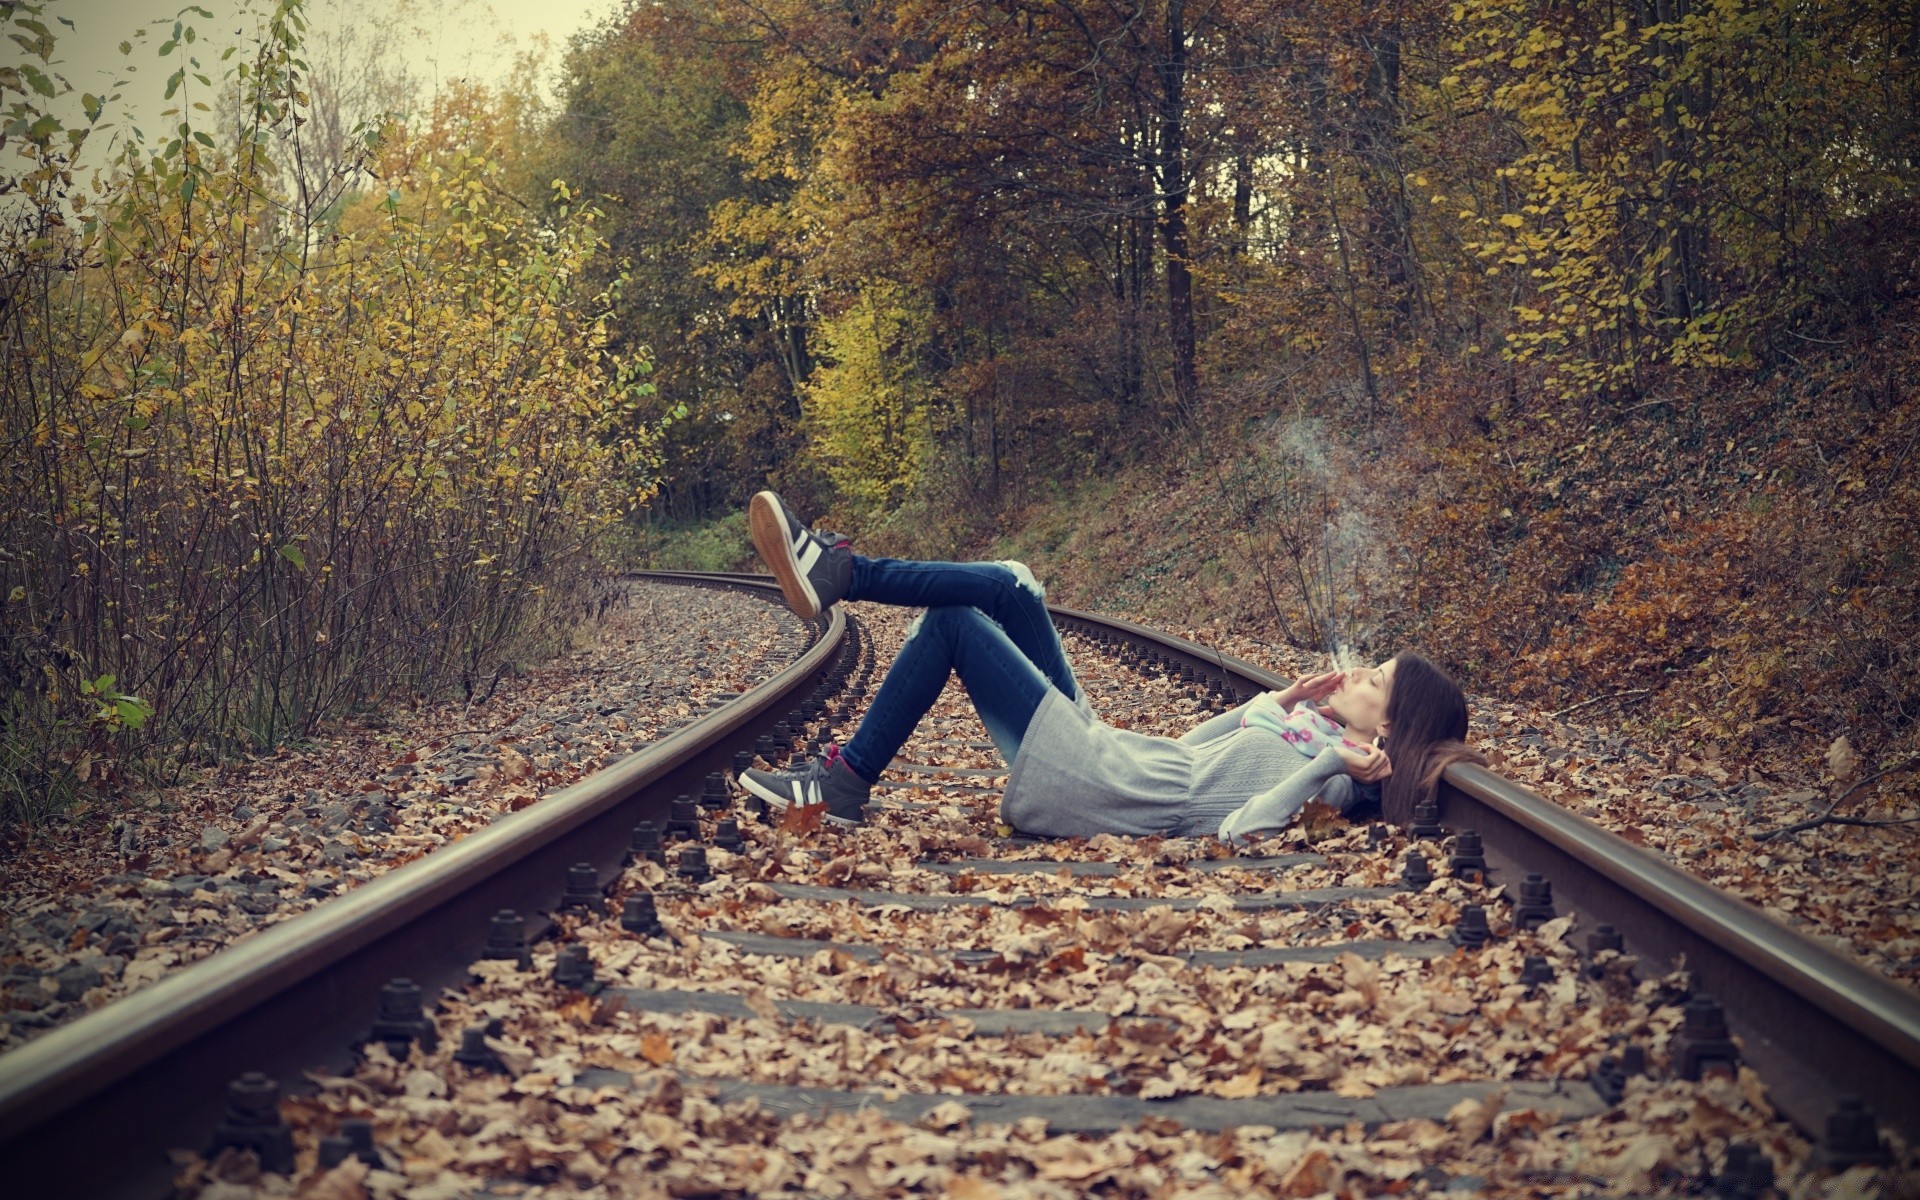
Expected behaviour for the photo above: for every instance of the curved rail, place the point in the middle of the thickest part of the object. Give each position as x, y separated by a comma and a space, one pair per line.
1816, 1025
91, 1108
141, 1075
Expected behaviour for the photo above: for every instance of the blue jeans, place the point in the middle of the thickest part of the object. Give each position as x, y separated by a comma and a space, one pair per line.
988, 622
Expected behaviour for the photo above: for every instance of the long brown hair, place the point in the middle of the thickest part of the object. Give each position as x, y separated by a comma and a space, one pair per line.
1426, 731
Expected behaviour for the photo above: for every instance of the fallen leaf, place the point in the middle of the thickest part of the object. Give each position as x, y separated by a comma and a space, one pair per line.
1472, 1118
655, 1048
343, 1182
802, 818
1841, 759
1241, 1086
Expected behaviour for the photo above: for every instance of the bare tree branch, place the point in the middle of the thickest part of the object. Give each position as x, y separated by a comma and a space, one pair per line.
1827, 817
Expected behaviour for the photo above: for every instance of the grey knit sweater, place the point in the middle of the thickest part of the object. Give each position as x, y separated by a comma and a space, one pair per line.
1077, 777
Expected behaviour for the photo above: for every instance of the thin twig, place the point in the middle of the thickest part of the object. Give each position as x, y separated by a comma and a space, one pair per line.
1645, 404
1598, 699
1867, 823
1827, 817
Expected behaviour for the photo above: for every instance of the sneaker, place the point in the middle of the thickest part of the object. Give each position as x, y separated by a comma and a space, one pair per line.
826, 780
814, 569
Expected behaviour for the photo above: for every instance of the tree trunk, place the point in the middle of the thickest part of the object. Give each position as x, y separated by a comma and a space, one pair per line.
1172, 165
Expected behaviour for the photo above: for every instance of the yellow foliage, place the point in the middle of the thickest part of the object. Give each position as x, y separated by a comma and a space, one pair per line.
259, 464
867, 407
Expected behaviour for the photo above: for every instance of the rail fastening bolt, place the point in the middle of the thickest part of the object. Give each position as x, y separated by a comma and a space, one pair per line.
573, 968
358, 1133
582, 888
474, 1053
641, 916
693, 864
1703, 1044
402, 1020
334, 1150
1416, 875
252, 1122
1604, 937
1608, 1080
685, 819
645, 843
727, 835
1469, 859
1426, 821
1853, 1136
507, 939
1536, 971
1473, 931
1748, 1174
1535, 906
713, 794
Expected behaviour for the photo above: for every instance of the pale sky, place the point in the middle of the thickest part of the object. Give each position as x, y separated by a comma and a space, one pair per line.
436, 40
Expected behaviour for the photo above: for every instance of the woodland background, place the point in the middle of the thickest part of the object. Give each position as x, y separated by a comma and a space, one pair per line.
1573, 344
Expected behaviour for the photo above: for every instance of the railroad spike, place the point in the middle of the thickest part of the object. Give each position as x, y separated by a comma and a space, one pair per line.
1703, 1044
402, 1020
582, 888
1535, 906
252, 1122
1853, 1137
507, 939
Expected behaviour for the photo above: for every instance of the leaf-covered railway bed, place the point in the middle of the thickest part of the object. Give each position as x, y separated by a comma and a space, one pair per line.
96, 912
924, 1006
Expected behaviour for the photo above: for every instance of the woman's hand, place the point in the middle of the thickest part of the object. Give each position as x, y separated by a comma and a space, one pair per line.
1368, 764
1314, 687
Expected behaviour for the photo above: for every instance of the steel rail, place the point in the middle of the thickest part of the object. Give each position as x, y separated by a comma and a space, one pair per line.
91, 1108
1816, 1025
138, 1075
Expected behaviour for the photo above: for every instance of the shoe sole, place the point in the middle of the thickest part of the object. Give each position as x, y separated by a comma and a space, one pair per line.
767, 522
778, 803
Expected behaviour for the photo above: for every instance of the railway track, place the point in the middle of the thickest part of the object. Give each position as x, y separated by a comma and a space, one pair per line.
92, 1109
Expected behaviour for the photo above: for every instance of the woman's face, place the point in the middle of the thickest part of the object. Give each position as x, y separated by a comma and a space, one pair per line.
1361, 701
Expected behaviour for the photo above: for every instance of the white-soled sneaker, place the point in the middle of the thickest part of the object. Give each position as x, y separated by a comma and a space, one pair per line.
814, 569
826, 780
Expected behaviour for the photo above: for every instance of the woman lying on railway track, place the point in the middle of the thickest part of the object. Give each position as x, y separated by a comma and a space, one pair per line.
1246, 771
